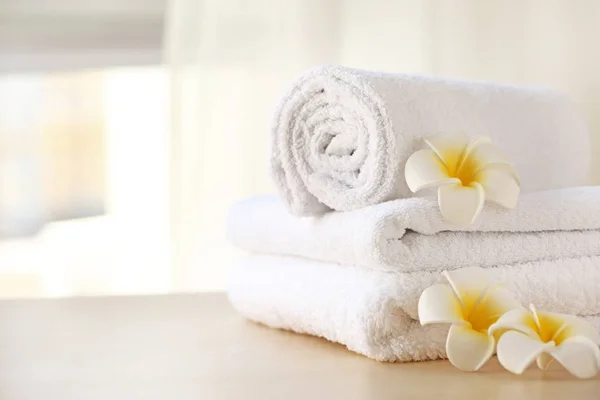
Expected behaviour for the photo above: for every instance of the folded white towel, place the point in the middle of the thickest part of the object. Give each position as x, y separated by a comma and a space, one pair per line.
410, 234
341, 136
375, 313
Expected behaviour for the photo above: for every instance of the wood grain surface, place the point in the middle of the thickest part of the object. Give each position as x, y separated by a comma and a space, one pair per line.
196, 347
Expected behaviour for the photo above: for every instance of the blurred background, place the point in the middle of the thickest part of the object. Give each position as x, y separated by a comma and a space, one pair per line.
128, 127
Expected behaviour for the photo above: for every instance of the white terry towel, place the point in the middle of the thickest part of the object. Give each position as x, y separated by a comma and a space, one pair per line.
375, 313
341, 137
410, 234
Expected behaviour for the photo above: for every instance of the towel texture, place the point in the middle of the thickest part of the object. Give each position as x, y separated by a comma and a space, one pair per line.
410, 234
341, 137
374, 313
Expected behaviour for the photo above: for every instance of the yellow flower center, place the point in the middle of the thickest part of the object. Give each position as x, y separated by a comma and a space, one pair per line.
466, 172
480, 321
551, 328
481, 309
460, 165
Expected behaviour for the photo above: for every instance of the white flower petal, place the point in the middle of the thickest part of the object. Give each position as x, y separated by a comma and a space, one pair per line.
485, 154
508, 168
499, 184
461, 204
579, 355
518, 319
544, 360
473, 144
424, 169
467, 349
449, 148
516, 351
469, 285
550, 325
438, 304
577, 327
496, 301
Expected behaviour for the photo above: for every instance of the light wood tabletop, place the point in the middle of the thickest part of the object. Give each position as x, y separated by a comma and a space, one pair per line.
196, 347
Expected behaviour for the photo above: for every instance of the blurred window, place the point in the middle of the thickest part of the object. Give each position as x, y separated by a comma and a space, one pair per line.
83, 148
84, 182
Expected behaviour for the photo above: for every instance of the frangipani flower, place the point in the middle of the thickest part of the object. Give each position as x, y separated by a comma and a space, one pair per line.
471, 303
526, 336
468, 172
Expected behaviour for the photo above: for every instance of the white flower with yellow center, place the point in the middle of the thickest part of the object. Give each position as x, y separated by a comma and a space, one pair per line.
467, 171
471, 303
526, 336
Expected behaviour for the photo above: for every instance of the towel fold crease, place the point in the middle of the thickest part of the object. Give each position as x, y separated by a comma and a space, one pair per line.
410, 234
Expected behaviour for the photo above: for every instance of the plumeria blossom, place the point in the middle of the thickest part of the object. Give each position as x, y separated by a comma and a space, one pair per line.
467, 172
471, 303
526, 336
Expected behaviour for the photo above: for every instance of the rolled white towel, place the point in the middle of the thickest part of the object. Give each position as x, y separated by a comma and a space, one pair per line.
341, 137
375, 313
410, 234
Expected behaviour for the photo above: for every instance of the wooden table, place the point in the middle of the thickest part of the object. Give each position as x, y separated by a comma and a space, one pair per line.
196, 347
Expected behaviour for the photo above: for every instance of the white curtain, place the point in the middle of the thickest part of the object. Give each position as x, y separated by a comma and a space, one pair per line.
230, 59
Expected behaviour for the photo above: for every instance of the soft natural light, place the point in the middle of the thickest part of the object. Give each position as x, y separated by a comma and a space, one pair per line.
126, 250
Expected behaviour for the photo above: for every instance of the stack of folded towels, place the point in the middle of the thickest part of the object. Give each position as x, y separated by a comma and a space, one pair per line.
346, 250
